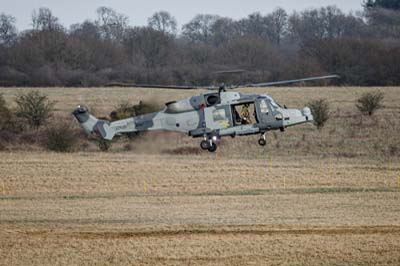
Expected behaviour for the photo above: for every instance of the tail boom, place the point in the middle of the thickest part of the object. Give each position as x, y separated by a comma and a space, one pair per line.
93, 125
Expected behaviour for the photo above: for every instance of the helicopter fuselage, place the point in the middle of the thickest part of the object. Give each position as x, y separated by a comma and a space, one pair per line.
208, 115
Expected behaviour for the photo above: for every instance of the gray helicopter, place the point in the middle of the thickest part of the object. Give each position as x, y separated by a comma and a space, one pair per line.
210, 115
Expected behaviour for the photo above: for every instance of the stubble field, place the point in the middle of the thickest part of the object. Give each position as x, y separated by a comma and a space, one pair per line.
295, 203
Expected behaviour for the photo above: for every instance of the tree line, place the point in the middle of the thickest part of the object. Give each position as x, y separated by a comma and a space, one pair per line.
362, 47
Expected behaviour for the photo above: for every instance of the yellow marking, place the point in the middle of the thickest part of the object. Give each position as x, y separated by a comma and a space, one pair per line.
4, 189
224, 123
145, 186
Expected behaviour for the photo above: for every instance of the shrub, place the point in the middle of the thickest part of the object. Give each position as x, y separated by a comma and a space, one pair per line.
104, 145
126, 110
320, 111
35, 108
8, 122
369, 102
4, 112
145, 107
3, 104
60, 137
122, 111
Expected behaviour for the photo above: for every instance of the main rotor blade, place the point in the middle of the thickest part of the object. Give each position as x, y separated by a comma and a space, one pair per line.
156, 86
232, 71
266, 84
188, 87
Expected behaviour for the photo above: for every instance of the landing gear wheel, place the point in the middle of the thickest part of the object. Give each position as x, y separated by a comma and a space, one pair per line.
205, 144
212, 147
262, 142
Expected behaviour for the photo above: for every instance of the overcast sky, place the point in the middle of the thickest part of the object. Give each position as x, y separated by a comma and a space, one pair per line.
74, 11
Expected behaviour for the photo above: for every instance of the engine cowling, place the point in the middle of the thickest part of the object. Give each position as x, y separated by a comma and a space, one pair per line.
179, 107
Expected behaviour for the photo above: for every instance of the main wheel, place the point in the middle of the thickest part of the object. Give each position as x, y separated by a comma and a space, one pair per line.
205, 144
212, 147
262, 142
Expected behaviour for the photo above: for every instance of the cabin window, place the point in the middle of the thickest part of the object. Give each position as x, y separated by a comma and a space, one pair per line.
219, 115
264, 107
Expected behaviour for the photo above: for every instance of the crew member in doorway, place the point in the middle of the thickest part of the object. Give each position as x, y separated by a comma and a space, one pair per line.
245, 114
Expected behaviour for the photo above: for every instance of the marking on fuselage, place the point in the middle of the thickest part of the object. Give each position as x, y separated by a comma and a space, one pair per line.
224, 123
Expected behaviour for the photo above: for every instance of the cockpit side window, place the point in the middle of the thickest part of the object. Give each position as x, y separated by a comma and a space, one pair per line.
264, 107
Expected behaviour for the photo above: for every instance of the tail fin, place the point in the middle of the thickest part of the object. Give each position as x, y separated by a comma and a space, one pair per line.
93, 125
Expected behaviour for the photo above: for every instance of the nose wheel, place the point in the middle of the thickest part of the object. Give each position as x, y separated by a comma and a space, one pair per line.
208, 145
204, 144
213, 147
262, 141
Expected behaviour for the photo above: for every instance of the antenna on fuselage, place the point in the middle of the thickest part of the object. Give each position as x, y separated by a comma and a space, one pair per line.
222, 88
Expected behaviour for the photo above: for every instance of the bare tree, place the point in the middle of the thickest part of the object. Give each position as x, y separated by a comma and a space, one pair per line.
8, 31
225, 30
111, 23
43, 19
277, 25
200, 28
312, 42
147, 47
387, 4
249, 53
164, 22
383, 23
272, 27
317, 24
86, 30
253, 25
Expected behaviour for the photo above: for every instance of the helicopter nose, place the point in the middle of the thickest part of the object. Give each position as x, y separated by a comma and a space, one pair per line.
307, 113
295, 116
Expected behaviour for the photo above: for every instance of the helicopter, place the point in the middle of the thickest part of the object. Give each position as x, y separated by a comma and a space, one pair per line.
217, 113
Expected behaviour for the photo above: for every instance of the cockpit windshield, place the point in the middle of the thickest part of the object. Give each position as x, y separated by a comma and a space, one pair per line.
273, 103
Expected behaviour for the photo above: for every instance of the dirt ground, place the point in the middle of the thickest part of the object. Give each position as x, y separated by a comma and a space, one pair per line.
328, 197
129, 209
